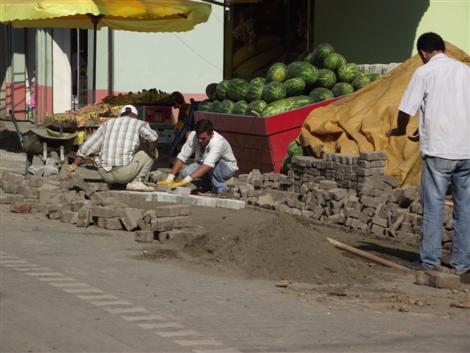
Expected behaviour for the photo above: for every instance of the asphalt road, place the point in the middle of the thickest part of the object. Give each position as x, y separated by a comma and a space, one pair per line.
67, 289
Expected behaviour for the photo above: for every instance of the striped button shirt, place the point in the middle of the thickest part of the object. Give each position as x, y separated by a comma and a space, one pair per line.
117, 140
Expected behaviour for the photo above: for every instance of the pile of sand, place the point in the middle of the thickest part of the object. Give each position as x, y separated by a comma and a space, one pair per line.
282, 247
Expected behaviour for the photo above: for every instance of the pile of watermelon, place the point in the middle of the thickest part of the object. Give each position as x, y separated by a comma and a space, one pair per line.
321, 75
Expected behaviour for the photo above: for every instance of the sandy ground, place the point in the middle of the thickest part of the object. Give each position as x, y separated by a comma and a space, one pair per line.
255, 243
295, 254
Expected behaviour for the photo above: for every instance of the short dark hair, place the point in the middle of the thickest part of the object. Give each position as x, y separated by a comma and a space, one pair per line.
430, 42
178, 98
204, 125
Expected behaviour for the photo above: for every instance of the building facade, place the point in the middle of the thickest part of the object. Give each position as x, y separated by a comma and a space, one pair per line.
44, 71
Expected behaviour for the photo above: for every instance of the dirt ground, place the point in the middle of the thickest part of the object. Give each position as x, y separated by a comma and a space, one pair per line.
295, 254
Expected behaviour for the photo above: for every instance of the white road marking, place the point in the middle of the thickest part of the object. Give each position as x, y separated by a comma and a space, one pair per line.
187, 343
117, 302
96, 297
5, 262
65, 285
148, 326
44, 274
222, 350
82, 290
137, 309
56, 279
180, 333
143, 318
33, 269
20, 267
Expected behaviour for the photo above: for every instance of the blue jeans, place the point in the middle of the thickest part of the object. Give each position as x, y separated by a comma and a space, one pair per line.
436, 175
214, 180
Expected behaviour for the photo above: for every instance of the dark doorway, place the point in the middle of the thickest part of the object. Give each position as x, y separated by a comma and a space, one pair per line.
79, 68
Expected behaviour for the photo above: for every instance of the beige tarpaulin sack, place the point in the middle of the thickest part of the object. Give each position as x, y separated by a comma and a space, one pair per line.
358, 122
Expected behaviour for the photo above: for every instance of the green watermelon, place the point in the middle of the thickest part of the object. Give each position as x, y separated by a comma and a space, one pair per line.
221, 90
255, 89
308, 58
321, 52
204, 106
320, 94
334, 61
274, 91
326, 78
211, 91
303, 70
236, 89
257, 107
373, 76
285, 105
360, 82
240, 108
226, 106
293, 149
294, 87
258, 80
342, 88
216, 106
277, 72
347, 72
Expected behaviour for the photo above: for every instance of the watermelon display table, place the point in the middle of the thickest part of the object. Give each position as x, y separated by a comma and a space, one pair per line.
260, 143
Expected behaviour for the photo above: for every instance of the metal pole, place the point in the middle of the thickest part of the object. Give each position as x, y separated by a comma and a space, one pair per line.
228, 42
311, 25
95, 25
12, 73
110, 62
94, 20
78, 68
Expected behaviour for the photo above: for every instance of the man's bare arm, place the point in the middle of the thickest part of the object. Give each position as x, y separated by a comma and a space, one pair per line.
201, 171
402, 122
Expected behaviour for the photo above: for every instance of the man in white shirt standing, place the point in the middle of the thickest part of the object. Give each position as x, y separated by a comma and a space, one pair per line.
440, 91
214, 163
117, 141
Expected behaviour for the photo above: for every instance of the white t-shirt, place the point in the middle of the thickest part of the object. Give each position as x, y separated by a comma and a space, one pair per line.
218, 148
440, 90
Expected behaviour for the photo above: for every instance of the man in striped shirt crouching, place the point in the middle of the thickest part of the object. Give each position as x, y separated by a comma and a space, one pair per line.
117, 140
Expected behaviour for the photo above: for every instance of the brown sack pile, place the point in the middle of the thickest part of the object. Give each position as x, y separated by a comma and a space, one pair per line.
358, 123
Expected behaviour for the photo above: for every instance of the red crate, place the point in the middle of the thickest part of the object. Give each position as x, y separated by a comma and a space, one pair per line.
155, 114
260, 143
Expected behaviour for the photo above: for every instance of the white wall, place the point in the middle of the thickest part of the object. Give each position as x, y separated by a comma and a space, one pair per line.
186, 61
61, 71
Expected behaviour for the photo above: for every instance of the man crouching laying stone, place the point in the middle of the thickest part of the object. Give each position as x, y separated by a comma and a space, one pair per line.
214, 163
117, 141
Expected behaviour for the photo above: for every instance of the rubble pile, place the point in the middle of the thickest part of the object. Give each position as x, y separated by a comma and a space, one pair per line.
350, 191
71, 200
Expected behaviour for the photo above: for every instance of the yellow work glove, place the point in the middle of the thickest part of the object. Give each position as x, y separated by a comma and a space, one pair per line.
183, 183
168, 181
72, 168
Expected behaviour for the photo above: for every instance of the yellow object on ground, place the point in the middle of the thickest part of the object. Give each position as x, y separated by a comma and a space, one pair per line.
165, 182
179, 184
130, 15
358, 123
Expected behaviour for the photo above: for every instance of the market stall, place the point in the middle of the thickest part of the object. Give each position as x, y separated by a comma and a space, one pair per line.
261, 115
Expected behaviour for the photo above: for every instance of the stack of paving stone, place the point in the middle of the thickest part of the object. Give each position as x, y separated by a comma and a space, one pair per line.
71, 200
350, 191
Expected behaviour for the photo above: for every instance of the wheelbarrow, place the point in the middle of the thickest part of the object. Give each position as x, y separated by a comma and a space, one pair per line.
39, 142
